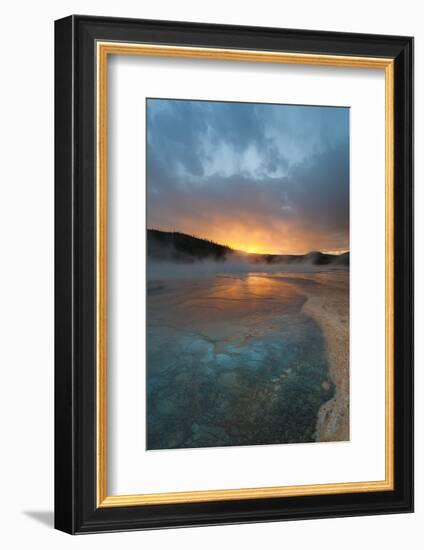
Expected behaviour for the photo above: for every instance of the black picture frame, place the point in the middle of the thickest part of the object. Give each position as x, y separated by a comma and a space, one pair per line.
76, 508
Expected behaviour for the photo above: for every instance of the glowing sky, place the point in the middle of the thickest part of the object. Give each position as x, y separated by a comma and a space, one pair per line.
257, 177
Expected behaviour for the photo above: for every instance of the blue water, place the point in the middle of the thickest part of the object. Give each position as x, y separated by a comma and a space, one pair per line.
232, 361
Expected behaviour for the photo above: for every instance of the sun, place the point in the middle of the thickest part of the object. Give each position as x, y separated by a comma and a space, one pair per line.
253, 249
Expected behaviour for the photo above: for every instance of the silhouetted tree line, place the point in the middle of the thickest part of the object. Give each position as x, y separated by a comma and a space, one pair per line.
179, 246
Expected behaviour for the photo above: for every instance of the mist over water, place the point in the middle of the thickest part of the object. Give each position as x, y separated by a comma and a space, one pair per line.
231, 358
164, 270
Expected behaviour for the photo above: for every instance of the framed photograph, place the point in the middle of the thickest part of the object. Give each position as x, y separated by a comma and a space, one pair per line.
234, 271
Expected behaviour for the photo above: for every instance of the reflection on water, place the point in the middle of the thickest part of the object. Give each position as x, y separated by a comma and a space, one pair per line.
231, 360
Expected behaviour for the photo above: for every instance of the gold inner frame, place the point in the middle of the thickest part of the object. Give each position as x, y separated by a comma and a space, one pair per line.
103, 50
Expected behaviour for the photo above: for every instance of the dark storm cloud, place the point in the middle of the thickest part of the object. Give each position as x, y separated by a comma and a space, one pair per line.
270, 175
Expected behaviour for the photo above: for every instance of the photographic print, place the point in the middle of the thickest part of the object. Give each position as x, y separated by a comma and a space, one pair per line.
211, 182
247, 273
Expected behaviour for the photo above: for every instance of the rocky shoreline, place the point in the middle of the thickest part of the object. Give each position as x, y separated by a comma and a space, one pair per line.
327, 303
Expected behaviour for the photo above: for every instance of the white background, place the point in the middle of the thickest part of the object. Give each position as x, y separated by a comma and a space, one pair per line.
131, 468
26, 289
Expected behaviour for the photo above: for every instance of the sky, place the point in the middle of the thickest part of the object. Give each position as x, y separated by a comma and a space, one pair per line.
257, 177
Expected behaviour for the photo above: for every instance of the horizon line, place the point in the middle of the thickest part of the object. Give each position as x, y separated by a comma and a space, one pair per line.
332, 253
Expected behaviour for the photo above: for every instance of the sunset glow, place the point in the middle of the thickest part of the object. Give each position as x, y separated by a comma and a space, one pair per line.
268, 179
